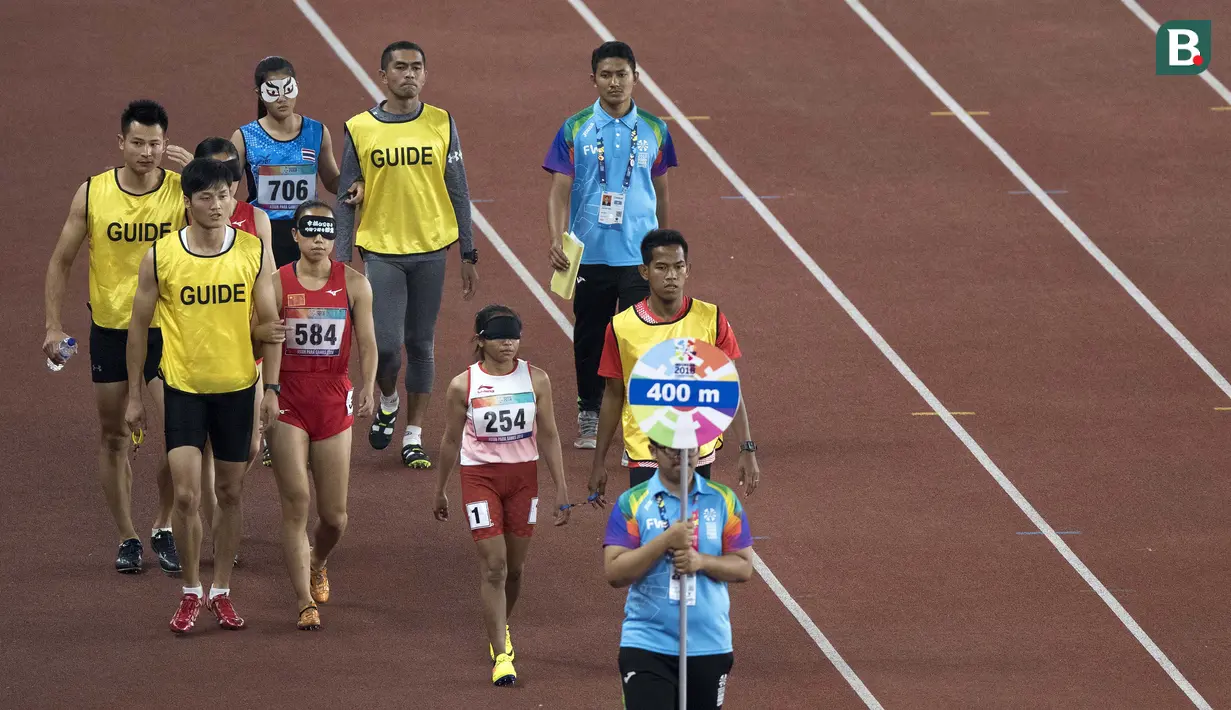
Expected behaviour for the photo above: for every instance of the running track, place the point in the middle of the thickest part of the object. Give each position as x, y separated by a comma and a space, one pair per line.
885, 529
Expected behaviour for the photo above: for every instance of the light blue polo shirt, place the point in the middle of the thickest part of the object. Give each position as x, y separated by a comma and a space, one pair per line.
651, 618
575, 152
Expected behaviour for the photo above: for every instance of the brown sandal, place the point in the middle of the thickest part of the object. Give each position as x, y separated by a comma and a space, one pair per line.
309, 618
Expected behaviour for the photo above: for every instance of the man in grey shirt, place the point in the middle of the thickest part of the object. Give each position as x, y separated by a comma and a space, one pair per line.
413, 210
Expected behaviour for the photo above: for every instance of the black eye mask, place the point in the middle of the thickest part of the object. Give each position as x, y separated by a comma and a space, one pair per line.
310, 226
502, 328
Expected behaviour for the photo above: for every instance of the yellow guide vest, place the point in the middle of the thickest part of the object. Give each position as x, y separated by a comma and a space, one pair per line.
406, 207
635, 337
206, 305
121, 227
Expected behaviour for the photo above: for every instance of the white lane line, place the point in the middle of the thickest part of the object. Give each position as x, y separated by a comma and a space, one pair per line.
480, 221
780, 591
524, 274
1046, 200
1207, 76
902, 368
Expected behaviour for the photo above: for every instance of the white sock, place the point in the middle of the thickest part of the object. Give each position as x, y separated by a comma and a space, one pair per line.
413, 435
199, 591
217, 592
389, 404
155, 531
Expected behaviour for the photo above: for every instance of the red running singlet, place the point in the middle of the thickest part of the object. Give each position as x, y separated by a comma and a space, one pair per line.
319, 324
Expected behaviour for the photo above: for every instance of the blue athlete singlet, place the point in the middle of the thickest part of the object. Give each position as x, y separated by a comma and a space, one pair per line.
282, 174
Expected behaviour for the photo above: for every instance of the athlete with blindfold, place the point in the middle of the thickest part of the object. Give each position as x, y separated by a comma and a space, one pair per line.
322, 302
500, 418
283, 152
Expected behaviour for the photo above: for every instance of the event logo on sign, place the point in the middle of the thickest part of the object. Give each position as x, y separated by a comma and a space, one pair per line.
683, 393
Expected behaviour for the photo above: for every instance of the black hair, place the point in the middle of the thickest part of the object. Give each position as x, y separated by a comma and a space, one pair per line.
656, 238
265, 67
202, 174
612, 50
303, 208
213, 146
387, 55
481, 319
145, 112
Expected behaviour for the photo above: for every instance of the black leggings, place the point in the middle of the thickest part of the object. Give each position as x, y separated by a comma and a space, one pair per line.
651, 680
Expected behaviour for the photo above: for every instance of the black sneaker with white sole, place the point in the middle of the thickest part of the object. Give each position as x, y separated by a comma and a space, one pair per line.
381, 432
163, 543
128, 559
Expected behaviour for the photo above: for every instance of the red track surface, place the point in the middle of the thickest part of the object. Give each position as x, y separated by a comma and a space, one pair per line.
883, 527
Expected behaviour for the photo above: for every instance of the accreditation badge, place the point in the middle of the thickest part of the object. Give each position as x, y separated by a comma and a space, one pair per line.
611, 208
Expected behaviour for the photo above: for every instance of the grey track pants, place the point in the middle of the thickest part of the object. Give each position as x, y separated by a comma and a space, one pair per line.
406, 295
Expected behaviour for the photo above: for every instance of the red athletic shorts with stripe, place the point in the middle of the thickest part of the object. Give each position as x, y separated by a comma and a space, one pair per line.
501, 498
322, 405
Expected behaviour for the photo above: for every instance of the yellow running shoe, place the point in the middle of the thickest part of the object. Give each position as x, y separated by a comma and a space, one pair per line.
502, 671
508, 646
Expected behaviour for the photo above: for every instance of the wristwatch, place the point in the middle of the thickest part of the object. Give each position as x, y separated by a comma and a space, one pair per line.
471, 257
748, 447
276, 389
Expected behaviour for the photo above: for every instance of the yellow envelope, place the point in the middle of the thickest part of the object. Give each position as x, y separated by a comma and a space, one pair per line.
564, 282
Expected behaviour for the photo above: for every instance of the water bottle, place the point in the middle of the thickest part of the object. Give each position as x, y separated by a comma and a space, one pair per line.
67, 349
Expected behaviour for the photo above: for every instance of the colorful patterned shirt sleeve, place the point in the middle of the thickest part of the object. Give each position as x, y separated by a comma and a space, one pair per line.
666, 155
560, 156
736, 535
622, 527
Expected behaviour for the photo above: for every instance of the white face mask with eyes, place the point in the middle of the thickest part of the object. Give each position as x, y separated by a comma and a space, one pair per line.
274, 89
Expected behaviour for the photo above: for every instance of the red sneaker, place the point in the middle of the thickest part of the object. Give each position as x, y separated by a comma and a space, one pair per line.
186, 614
223, 609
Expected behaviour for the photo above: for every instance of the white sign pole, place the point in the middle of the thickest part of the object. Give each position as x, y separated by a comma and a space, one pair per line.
685, 480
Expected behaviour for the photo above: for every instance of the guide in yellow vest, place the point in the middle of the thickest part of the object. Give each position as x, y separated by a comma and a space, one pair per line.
121, 212
416, 205
667, 313
204, 283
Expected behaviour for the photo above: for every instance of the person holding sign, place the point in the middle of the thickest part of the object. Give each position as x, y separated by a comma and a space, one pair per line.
500, 420
608, 166
323, 303
416, 206
667, 313
660, 558
283, 152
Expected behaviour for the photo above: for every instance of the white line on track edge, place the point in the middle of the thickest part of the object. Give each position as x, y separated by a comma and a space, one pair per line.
990, 466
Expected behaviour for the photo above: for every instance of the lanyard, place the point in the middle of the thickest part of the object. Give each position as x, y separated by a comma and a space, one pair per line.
602, 159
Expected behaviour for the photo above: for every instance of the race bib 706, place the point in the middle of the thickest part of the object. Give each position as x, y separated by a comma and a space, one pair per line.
285, 187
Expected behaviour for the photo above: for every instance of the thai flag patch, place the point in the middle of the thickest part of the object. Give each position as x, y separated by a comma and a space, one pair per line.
308, 154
